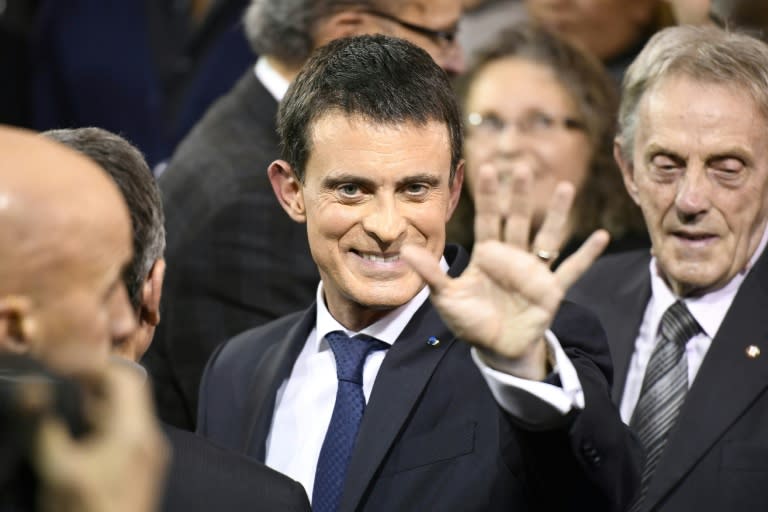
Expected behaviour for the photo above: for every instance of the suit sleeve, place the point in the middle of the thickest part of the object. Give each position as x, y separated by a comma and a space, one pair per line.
592, 457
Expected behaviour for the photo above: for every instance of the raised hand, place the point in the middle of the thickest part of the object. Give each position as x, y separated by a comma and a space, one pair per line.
119, 466
508, 295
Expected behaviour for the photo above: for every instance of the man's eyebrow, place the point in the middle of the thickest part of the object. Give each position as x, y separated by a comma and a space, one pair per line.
335, 180
429, 179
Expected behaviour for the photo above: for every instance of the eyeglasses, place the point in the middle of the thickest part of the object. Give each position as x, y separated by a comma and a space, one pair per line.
533, 122
444, 37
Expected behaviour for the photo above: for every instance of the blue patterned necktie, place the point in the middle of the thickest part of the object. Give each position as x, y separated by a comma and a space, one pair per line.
664, 388
350, 355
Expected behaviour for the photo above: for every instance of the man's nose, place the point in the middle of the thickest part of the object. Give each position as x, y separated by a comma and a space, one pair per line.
693, 192
385, 222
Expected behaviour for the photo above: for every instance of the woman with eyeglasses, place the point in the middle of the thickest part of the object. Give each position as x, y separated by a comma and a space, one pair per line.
533, 100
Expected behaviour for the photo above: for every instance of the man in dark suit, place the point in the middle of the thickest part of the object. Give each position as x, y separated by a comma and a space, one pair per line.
201, 476
693, 150
371, 163
237, 260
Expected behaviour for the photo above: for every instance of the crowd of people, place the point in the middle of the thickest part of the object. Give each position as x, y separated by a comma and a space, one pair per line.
392, 266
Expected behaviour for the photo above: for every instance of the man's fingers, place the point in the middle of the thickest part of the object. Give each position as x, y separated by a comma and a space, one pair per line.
575, 265
487, 217
519, 272
518, 207
554, 230
424, 263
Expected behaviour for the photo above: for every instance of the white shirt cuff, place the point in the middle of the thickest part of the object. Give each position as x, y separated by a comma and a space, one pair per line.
535, 403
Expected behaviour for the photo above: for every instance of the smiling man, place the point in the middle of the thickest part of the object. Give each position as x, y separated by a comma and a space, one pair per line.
373, 398
686, 323
220, 210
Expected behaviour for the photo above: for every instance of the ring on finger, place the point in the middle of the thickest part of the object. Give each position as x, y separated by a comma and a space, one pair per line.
546, 256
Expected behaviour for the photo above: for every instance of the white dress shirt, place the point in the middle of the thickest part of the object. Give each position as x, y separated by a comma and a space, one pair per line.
304, 402
709, 311
271, 79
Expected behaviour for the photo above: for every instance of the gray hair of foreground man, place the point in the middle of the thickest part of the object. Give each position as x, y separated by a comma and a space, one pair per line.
376, 78
706, 54
284, 28
127, 167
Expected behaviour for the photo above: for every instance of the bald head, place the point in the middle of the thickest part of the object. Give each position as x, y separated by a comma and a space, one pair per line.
64, 239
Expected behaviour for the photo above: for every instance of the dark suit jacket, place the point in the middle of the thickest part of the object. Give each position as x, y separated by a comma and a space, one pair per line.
717, 459
133, 67
432, 436
203, 477
235, 259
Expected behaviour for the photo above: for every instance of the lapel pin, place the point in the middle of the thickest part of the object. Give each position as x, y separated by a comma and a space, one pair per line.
753, 351
433, 341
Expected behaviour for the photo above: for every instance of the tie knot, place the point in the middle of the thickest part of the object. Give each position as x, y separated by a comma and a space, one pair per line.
678, 324
350, 354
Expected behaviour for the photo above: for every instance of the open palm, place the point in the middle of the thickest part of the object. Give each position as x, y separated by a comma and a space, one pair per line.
507, 297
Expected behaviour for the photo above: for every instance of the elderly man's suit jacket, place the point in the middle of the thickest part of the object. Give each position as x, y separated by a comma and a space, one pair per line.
432, 436
235, 259
717, 458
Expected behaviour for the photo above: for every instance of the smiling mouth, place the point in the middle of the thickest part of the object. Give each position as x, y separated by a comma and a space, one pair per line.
378, 258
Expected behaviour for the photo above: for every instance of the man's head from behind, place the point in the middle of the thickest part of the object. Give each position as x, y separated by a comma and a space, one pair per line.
371, 139
693, 149
143, 276
288, 30
65, 239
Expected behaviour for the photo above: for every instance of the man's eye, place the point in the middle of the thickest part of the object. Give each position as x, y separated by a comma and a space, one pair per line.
664, 163
416, 189
349, 190
728, 166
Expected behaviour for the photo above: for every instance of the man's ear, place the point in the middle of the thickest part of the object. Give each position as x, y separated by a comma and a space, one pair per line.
627, 171
151, 292
345, 23
455, 191
16, 324
287, 189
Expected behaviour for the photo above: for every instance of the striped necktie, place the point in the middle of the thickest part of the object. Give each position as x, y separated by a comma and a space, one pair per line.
664, 388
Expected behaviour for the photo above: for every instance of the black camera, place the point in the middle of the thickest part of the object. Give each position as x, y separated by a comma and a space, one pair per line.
29, 392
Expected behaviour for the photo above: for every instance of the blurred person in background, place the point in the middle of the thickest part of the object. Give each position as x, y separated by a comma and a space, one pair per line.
483, 20
612, 30
533, 100
236, 260
145, 69
201, 475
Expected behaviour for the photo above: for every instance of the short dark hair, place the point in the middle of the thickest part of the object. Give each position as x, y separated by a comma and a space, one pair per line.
377, 78
127, 167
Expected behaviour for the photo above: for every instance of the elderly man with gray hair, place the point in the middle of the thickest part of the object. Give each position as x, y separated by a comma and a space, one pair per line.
235, 258
686, 323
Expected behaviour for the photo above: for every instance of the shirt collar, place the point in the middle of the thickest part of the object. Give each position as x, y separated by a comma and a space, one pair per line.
710, 309
386, 329
271, 79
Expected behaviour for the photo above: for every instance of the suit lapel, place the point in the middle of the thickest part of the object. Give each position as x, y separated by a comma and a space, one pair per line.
405, 372
631, 299
728, 380
267, 377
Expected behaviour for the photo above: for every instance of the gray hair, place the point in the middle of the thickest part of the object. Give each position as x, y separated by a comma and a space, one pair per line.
284, 29
127, 167
705, 54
